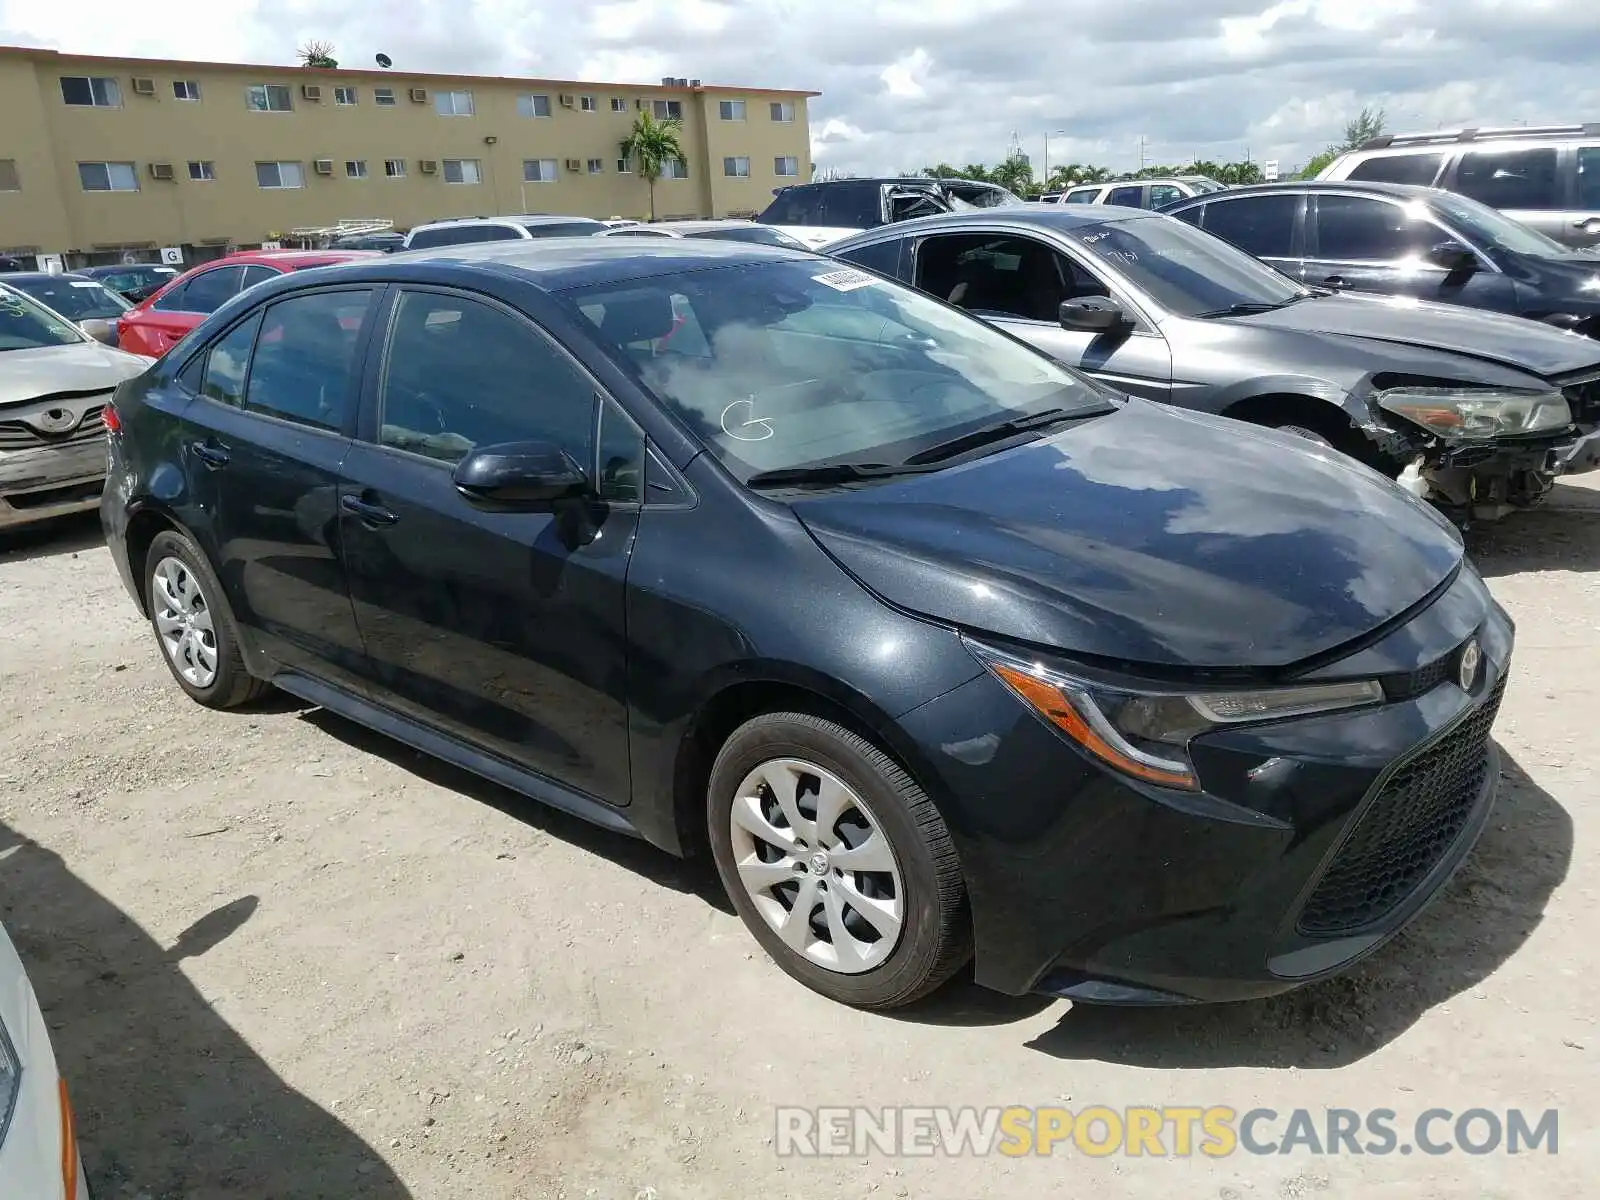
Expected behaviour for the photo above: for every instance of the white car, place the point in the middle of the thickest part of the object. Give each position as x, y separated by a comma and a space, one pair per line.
38, 1143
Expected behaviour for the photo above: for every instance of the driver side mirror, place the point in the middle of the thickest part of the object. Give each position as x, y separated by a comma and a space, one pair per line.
520, 476
1452, 256
100, 330
1093, 314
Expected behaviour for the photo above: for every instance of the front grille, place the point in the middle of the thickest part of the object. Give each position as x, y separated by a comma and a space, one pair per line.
18, 435
1404, 830
1423, 679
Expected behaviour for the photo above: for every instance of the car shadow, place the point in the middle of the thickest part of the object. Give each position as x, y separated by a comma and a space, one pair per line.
1563, 534
170, 1100
696, 876
1482, 918
61, 535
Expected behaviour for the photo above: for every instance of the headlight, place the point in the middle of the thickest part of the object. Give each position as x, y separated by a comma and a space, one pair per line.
1145, 733
10, 1081
1477, 413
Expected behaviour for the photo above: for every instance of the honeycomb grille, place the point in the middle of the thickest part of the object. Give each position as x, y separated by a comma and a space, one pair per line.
1404, 830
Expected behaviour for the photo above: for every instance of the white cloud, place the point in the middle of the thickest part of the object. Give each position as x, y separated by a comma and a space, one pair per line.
903, 77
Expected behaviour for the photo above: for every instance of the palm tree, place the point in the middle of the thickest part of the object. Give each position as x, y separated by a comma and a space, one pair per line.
652, 144
317, 54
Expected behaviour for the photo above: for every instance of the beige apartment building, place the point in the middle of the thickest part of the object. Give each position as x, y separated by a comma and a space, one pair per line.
107, 158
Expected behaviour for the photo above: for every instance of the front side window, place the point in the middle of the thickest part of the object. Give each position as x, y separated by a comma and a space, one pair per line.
1360, 229
1186, 272
460, 373
305, 358
736, 168
1515, 179
453, 104
794, 363
461, 170
108, 177
786, 166
1010, 276
1081, 196
1164, 193
1589, 177
27, 325
228, 361
255, 273
621, 456
540, 170
533, 106
91, 91
279, 175
1258, 225
1129, 197
882, 257
268, 97
1398, 168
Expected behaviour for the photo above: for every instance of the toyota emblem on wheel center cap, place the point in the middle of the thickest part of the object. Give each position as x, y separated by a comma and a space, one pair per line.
819, 863
1467, 667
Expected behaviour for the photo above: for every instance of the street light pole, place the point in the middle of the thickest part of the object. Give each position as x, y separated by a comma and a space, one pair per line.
1045, 178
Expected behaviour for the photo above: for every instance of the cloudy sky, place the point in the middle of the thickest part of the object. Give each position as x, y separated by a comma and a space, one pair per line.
910, 82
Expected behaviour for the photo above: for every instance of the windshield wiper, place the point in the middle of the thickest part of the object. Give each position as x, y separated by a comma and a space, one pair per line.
835, 472
993, 433
1251, 306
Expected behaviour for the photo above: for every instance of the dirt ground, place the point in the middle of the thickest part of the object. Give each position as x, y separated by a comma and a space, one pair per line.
284, 957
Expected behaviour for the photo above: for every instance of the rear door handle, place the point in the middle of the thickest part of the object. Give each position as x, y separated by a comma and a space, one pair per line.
369, 514
1334, 281
213, 454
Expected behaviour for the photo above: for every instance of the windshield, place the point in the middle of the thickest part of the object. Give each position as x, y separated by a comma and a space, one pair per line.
777, 365
75, 299
27, 325
766, 235
1492, 229
1183, 270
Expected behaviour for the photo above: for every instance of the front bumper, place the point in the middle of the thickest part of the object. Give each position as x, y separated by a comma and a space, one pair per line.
1314, 841
51, 480
1577, 456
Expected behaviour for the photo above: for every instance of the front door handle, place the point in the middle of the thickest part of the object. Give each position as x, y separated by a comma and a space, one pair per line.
212, 453
371, 515
1587, 223
1335, 281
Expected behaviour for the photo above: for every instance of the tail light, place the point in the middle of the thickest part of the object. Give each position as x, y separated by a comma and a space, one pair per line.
113, 422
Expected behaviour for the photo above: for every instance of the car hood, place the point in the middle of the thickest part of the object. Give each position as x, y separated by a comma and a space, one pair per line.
1491, 337
1151, 535
52, 370
818, 236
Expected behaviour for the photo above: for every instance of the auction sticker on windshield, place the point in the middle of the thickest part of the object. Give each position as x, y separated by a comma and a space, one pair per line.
844, 281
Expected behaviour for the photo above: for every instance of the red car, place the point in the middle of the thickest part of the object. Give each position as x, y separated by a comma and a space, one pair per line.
155, 325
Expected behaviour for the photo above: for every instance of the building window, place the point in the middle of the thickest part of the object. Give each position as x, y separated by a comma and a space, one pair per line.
344, 96
383, 97
782, 111
394, 168
736, 168
624, 166
355, 168
667, 110
185, 89
86, 91
588, 104
619, 104
462, 170
9, 180
786, 166
108, 177
202, 170
675, 168
533, 106
453, 104
279, 175
268, 97
539, 170
731, 110
597, 166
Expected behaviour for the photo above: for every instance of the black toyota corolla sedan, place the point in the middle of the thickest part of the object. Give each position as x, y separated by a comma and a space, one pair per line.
932, 641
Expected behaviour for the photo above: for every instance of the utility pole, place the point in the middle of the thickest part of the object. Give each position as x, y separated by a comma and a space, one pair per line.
1141, 151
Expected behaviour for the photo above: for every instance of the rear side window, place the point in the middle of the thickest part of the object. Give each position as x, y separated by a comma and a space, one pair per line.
209, 290
1164, 193
1258, 225
459, 373
177, 300
305, 358
1130, 197
851, 205
792, 206
567, 229
1081, 196
882, 257
255, 274
1589, 177
1420, 169
1510, 178
227, 361
460, 235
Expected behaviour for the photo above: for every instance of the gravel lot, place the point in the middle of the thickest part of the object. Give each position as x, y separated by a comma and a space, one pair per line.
284, 957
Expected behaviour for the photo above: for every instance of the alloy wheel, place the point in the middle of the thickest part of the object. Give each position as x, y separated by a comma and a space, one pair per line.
817, 865
183, 621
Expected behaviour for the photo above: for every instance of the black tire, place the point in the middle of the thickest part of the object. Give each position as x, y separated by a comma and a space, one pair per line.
935, 938
1333, 431
232, 684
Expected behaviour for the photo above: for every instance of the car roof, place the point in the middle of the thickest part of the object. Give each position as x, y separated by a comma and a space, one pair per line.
1400, 191
42, 276
512, 219
718, 223
109, 269
1053, 216
555, 264
290, 258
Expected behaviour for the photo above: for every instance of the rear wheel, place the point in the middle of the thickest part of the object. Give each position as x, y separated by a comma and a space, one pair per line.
837, 861
194, 625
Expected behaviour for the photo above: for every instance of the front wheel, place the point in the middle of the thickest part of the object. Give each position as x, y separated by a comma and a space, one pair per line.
837, 861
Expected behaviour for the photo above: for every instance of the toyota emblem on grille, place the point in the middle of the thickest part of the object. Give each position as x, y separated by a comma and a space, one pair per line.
1467, 667
56, 420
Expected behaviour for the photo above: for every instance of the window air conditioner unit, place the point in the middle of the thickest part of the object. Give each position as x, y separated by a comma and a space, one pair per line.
323, 166
311, 91
428, 166
574, 164
143, 87
419, 95
566, 101
160, 170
